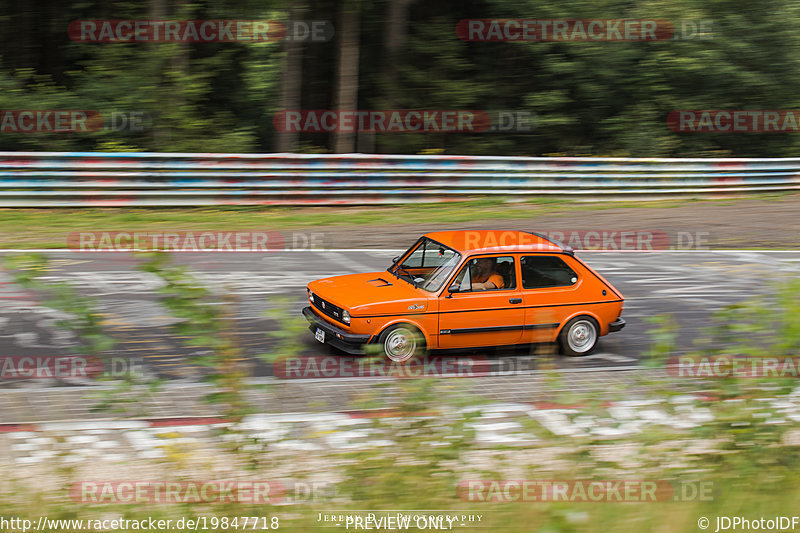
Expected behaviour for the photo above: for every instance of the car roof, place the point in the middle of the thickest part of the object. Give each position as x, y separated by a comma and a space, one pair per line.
492, 241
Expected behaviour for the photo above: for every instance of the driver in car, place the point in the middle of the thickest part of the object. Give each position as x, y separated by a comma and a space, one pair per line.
484, 275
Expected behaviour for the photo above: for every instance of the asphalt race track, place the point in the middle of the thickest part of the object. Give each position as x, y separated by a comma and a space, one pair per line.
688, 284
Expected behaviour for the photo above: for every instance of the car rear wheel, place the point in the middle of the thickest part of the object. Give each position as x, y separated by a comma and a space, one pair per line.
402, 342
579, 336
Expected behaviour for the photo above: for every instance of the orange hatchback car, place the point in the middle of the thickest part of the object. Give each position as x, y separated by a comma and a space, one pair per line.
468, 289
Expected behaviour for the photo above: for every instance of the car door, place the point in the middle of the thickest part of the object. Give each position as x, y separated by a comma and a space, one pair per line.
550, 293
493, 317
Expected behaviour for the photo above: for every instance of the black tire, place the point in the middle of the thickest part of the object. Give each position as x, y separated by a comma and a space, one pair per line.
579, 336
402, 342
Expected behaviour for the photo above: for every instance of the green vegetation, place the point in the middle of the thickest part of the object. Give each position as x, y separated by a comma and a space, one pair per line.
588, 98
746, 466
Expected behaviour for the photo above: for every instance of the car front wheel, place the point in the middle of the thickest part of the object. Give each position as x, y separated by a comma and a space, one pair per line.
579, 336
402, 342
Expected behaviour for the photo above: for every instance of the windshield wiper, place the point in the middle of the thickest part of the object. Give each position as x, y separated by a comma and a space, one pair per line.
407, 273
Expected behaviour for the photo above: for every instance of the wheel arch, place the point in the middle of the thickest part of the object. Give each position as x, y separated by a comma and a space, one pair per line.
603, 328
403, 320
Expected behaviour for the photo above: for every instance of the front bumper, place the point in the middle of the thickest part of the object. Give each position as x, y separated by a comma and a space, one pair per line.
617, 325
335, 336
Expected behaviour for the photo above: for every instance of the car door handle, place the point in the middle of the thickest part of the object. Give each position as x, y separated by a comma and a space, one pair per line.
515, 300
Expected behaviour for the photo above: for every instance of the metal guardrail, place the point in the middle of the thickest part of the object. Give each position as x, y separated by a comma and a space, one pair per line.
69, 179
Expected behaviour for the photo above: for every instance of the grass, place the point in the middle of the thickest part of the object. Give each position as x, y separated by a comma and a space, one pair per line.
48, 228
751, 474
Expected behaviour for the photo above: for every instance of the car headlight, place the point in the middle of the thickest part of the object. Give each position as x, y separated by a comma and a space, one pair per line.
310, 296
346, 317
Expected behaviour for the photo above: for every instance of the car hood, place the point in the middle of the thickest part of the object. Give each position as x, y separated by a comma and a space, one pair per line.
372, 292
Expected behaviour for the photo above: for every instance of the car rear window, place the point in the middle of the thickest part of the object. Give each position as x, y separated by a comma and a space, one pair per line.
539, 271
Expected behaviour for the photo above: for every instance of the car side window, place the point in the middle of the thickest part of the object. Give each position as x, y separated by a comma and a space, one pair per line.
540, 271
480, 271
463, 280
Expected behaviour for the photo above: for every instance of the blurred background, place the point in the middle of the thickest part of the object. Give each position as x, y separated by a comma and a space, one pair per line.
589, 98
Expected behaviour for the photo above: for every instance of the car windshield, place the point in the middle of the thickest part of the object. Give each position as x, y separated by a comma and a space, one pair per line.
427, 265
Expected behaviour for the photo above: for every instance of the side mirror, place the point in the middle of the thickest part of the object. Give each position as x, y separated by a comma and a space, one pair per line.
395, 259
454, 288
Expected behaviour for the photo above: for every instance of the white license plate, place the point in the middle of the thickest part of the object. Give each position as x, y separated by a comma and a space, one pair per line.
319, 335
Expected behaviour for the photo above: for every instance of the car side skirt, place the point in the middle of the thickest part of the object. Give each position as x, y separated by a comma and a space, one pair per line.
497, 328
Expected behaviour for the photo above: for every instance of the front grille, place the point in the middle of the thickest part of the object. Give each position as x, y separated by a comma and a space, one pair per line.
328, 308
